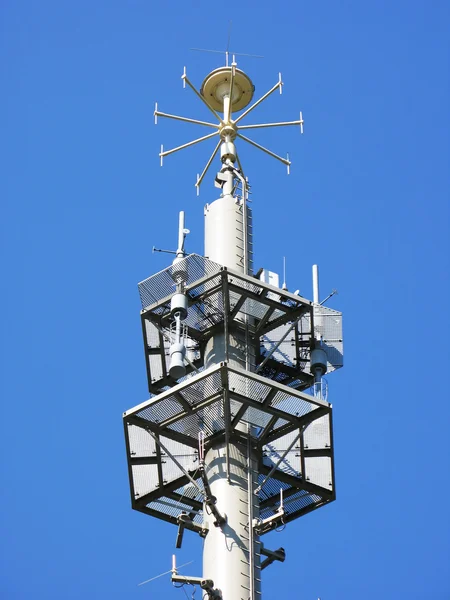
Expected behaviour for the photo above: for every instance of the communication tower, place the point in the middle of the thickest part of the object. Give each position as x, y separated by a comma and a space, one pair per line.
236, 438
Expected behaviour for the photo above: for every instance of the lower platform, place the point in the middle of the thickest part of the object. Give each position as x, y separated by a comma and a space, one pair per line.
291, 432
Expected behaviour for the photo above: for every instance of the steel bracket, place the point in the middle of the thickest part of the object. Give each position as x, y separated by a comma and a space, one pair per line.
272, 556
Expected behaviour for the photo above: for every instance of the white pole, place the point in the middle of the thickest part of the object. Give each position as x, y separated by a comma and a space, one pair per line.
315, 276
231, 554
226, 108
174, 564
317, 322
180, 233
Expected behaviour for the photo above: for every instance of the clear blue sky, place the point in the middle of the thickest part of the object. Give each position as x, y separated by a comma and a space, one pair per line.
83, 202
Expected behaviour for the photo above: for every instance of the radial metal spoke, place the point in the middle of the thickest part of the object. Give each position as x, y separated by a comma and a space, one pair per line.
266, 95
208, 164
186, 119
223, 52
260, 125
207, 50
226, 119
197, 141
285, 161
185, 79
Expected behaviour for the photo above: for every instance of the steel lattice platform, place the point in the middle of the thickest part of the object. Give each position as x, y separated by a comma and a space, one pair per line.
224, 300
218, 402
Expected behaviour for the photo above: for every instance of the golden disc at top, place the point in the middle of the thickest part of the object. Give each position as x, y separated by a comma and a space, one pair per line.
217, 85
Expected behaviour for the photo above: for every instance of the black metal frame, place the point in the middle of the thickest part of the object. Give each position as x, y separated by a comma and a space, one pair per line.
223, 398
314, 495
223, 283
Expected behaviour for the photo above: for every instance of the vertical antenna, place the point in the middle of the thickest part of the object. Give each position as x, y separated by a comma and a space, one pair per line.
181, 234
284, 286
315, 277
227, 51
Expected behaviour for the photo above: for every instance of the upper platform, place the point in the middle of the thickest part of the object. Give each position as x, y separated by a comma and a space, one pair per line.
222, 299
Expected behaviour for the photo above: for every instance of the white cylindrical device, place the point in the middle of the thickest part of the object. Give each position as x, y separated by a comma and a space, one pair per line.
179, 304
315, 277
180, 270
177, 368
228, 151
181, 233
319, 361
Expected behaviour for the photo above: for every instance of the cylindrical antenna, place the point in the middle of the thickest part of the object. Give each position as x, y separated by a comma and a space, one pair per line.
180, 249
315, 276
201, 447
226, 107
284, 286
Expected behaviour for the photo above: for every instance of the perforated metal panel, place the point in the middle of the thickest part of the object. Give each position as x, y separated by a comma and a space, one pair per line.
223, 400
299, 503
161, 285
216, 297
294, 351
199, 402
157, 341
304, 459
276, 451
158, 485
328, 324
218, 402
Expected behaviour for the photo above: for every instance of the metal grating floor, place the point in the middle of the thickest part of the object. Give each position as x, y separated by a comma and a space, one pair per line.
291, 431
218, 297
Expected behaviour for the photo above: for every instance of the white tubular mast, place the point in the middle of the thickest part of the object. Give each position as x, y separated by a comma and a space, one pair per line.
230, 446
213, 336
231, 557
